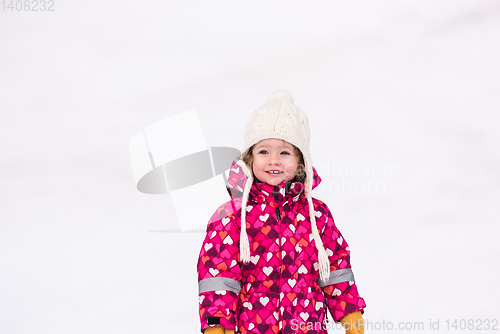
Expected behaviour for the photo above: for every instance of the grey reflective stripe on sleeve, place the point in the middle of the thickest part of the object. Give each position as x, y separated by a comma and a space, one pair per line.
219, 283
338, 276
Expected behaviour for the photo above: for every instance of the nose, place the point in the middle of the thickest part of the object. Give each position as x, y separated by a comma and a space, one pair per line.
274, 160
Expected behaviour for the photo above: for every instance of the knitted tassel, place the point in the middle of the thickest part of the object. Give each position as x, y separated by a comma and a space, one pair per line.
323, 260
244, 243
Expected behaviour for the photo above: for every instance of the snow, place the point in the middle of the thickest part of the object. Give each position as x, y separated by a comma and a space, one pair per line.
403, 103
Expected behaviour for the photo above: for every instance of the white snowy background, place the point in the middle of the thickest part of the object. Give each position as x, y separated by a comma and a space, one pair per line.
407, 87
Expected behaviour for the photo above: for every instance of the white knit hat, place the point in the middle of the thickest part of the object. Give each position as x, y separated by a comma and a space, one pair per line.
279, 118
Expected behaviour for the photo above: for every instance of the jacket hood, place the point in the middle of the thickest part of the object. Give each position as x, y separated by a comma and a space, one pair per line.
237, 180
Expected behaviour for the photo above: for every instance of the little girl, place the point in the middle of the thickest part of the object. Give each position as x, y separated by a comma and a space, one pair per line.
273, 260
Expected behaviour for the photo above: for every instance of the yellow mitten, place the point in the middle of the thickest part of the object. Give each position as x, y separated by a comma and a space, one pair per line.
353, 323
217, 330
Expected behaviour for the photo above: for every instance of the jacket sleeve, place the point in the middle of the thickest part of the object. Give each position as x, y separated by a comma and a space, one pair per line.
341, 293
219, 271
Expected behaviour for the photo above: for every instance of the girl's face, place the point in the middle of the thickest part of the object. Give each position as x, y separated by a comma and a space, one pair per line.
274, 161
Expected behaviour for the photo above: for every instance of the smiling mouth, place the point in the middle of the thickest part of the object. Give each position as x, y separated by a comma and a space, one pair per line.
273, 172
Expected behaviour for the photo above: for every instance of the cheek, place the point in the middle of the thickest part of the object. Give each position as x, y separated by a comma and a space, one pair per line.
291, 168
256, 165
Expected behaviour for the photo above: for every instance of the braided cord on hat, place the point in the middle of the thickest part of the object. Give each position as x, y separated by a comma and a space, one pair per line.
323, 261
244, 243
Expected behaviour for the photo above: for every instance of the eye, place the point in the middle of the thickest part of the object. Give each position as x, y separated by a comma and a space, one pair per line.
285, 153
262, 152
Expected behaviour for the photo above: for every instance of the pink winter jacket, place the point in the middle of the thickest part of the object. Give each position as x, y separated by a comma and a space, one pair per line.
279, 290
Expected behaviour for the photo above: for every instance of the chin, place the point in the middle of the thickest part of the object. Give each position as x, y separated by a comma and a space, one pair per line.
275, 182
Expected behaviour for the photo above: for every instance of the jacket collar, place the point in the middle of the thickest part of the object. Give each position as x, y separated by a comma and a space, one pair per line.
263, 192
